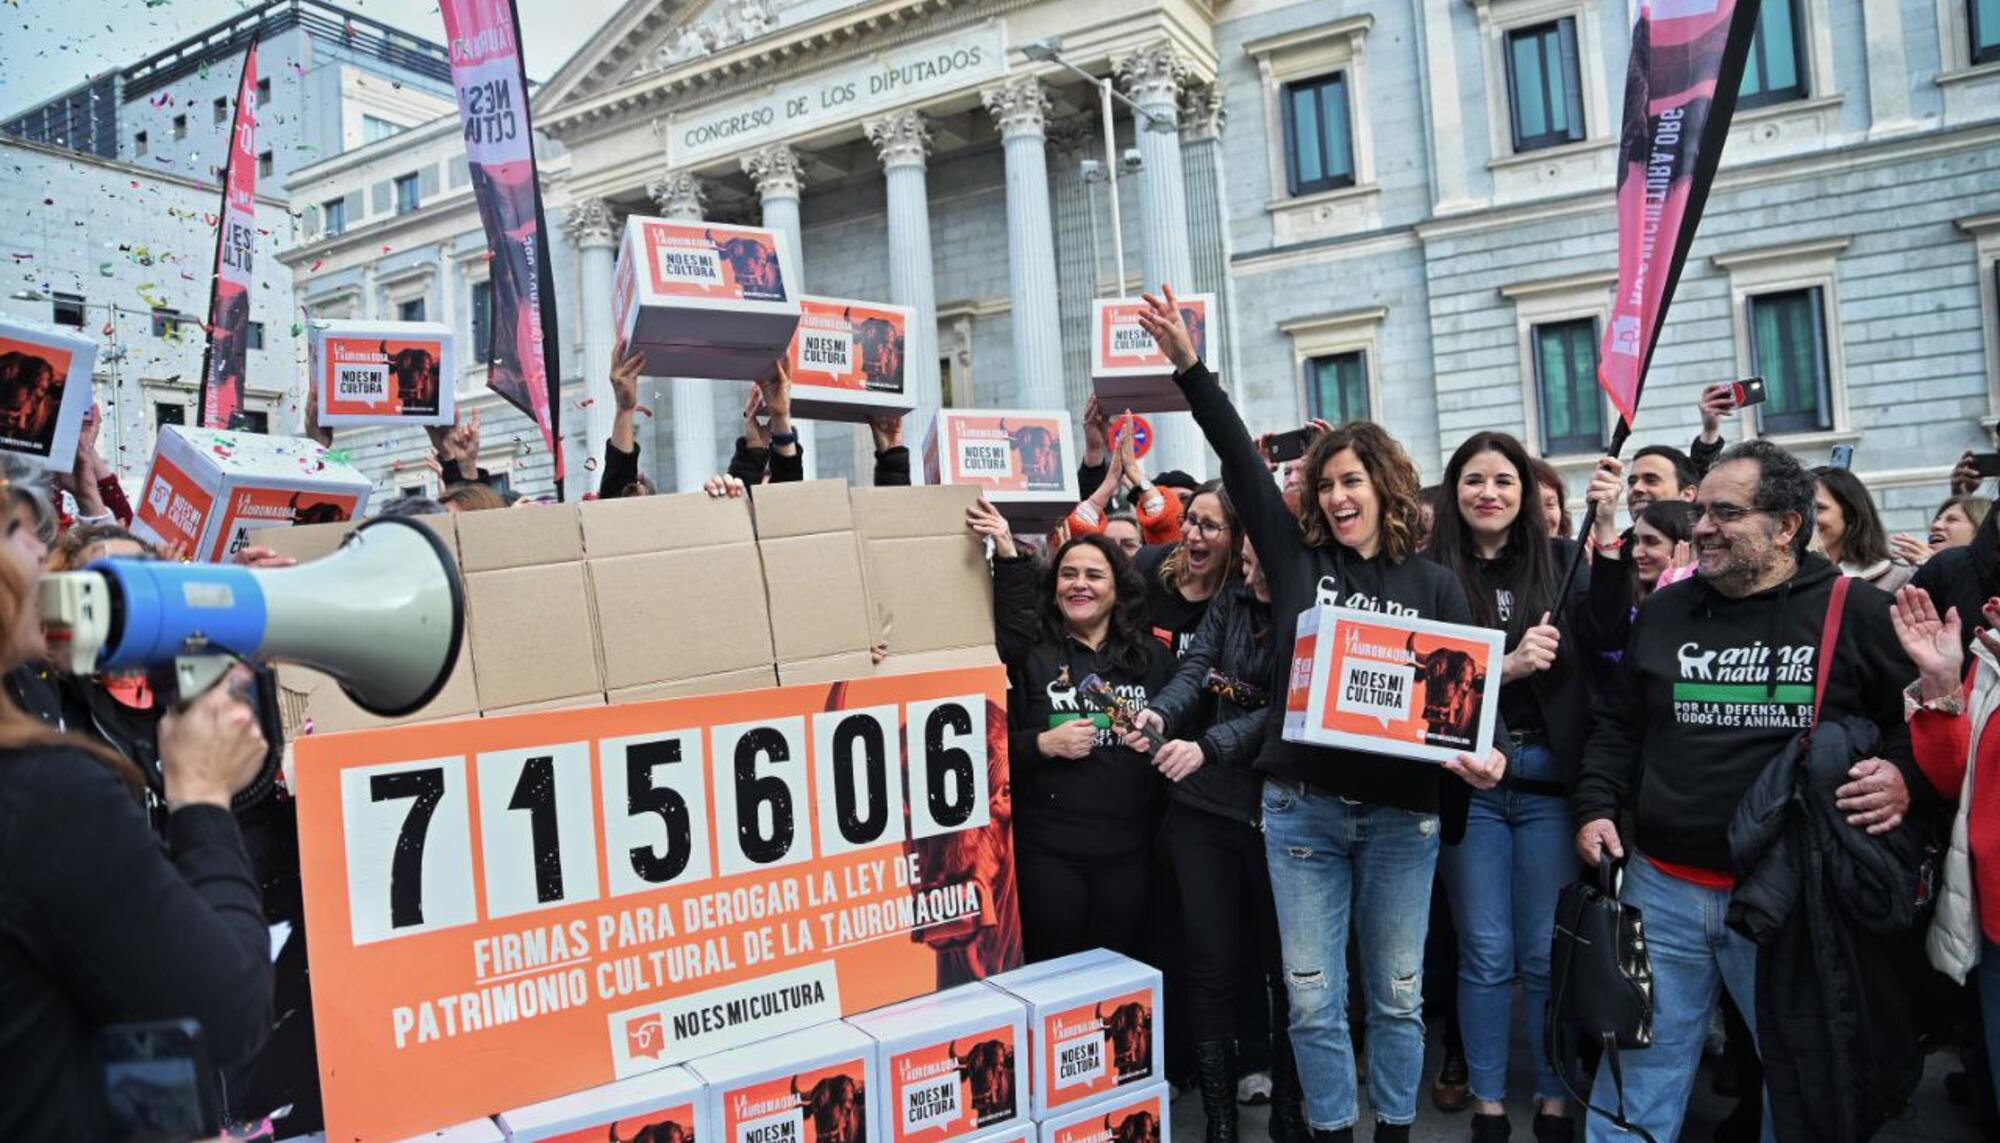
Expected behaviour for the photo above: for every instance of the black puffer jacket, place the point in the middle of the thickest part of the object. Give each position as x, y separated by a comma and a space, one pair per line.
1235, 639
1828, 905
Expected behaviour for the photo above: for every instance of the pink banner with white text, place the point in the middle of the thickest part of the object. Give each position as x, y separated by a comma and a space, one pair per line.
235, 256
524, 365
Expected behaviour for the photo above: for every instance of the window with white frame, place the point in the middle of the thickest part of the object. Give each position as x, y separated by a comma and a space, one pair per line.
1788, 350
482, 322
1566, 391
1784, 309
409, 198
1544, 85
375, 129
1337, 386
1775, 71
334, 211
410, 309
1984, 229
221, 109
1984, 16
1335, 356
1319, 146
1318, 138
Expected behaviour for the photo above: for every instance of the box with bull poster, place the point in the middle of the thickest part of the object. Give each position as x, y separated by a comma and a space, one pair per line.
666, 1106
701, 299
1127, 370
1024, 1131
847, 360
383, 372
208, 489
1093, 1030
952, 1065
1021, 460
809, 1086
1137, 1116
44, 391
1406, 687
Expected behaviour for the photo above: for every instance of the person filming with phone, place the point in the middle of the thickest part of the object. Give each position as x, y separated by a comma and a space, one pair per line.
99, 923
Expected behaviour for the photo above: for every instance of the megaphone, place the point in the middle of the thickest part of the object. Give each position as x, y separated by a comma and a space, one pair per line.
383, 615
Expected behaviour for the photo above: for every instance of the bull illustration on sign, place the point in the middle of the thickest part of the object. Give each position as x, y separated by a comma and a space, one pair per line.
837, 1106
989, 1068
1452, 685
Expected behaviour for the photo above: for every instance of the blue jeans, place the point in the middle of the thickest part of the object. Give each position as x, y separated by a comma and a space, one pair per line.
1335, 862
1503, 880
1693, 954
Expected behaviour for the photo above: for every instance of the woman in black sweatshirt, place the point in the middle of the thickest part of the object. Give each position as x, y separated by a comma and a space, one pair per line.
100, 924
1084, 804
1504, 877
1351, 838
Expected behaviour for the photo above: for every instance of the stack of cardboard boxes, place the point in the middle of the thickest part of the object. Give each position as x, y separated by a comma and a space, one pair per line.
661, 597
1065, 1051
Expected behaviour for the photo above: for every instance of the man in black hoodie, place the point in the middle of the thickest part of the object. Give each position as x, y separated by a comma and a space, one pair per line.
1717, 677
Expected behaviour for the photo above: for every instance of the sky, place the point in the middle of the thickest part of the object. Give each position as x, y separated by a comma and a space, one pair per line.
50, 46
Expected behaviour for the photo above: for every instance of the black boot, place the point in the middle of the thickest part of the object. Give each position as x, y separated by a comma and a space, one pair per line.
1391, 1132
1490, 1128
1288, 1113
1344, 1135
1215, 1064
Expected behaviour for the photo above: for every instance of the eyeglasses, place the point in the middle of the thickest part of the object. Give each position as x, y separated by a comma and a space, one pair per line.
1206, 529
1724, 513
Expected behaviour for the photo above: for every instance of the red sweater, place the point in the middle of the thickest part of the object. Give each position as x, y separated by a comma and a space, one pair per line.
1939, 742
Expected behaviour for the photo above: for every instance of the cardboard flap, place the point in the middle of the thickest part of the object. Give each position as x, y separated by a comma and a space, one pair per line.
801, 508
675, 615
918, 510
519, 537
634, 525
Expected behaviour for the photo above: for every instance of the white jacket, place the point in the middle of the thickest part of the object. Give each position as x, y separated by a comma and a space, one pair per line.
1954, 940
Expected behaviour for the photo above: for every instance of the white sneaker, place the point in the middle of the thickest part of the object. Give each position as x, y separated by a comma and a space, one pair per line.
1254, 1089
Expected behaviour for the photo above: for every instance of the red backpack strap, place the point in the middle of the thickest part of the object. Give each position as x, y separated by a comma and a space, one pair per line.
1829, 639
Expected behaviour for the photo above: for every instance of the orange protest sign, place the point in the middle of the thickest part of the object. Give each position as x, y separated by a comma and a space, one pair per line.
1394, 685
510, 909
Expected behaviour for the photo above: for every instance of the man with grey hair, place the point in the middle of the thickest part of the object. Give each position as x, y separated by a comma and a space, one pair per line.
1716, 680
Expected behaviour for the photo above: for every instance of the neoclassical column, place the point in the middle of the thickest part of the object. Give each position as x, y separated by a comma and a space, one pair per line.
775, 171
593, 227
903, 142
1153, 78
1202, 118
679, 195
1021, 108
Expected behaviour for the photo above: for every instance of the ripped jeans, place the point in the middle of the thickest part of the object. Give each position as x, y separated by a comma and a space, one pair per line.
1334, 863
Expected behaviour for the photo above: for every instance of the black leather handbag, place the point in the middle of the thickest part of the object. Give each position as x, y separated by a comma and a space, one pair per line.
1600, 985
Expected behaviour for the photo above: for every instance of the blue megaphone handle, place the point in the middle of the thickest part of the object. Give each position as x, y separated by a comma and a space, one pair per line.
165, 605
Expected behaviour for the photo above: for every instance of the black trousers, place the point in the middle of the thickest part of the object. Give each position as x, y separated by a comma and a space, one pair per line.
1070, 903
1220, 867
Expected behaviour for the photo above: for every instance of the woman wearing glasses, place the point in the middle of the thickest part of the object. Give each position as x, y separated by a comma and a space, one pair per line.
1351, 839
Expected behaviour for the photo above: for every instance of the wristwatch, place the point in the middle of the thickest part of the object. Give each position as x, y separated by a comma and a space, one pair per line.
790, 438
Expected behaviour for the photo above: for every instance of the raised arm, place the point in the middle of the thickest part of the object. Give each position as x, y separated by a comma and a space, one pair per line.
1259, 504
1014, 631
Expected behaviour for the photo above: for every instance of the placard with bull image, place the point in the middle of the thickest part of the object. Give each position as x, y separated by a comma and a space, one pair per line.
383, 372
951, 1065
816, 1085
704, 300
1093, 1030
511, 909
44, 391
1405, 687
666, 1106
1023, 460
847, 360
1140, 1115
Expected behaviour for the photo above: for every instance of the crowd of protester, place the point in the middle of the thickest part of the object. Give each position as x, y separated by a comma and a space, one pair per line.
1318, 910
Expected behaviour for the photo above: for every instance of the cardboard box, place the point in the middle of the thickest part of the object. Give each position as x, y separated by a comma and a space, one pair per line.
1022, 460
208, 489
819, 603
1093, 1025
829, 669
847, 360
1127, 370
920, 662
620, 1110
726, 682
681, 614
701, 299
310, 702
532, 634
927, 577
518, 538
1023, 1131
802, 508
578, 703
383, 372
1140, 1115
477, 1131
763, 1092
636, 525
45, 389
1408, 688
951, 1065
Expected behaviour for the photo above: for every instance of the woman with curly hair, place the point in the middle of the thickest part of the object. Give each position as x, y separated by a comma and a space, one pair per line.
1350, 838
1084, 804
